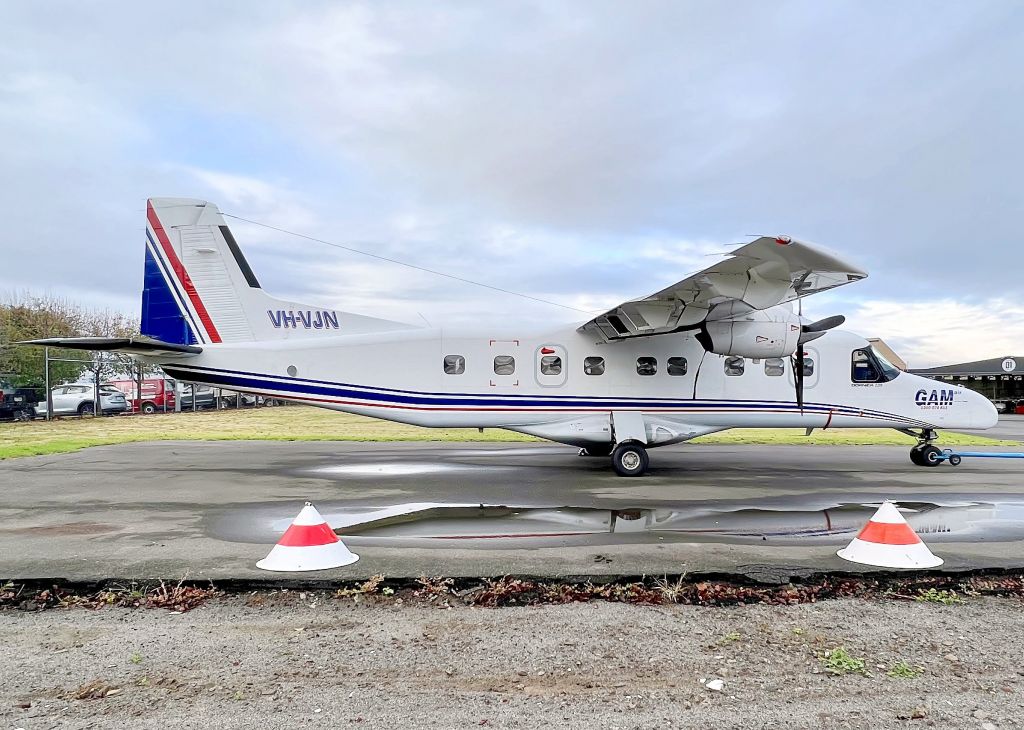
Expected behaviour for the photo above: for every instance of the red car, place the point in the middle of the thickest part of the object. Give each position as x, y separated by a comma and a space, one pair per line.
157, 394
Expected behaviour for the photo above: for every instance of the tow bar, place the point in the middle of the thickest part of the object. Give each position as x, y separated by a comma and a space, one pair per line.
955, 457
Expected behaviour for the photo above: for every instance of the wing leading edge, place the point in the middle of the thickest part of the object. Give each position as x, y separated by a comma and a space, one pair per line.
762, 274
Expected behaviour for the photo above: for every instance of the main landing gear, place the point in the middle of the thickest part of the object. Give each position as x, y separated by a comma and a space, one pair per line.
926, 453
629, 458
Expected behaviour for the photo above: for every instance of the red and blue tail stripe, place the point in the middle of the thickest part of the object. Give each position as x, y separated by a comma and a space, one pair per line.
172, 310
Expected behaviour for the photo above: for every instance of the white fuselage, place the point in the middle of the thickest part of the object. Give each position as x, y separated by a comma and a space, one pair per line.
400, 376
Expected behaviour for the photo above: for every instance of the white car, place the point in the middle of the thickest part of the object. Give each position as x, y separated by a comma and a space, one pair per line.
78, 399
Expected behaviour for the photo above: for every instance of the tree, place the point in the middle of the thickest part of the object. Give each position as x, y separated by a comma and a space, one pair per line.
104, 323
28, 317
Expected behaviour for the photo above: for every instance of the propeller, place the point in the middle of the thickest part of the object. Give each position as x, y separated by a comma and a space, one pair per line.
809, 332
814, 330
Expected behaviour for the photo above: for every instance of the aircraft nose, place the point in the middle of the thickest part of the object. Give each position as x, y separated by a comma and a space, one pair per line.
984, 414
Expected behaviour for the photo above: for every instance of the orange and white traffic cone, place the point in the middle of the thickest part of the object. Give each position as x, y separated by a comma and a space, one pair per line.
309, 543
887, 541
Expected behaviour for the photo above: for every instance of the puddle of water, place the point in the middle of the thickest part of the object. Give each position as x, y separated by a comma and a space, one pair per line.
389, 469
427, 524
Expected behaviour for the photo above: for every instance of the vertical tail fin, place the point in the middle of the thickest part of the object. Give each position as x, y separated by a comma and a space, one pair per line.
199, 289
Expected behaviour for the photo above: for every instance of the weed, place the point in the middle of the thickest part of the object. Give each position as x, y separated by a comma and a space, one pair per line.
433, 588
370, 587
731, 637
135, 658
839, 661
179, 598
672, 591
903, 670
143, 681
798, 631
934, 595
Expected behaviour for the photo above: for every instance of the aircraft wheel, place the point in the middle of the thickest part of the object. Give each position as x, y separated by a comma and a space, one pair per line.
630, 459
915, 456
931, 455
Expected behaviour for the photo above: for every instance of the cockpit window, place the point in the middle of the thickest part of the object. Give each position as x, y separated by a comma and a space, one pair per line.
870, 366
889, 370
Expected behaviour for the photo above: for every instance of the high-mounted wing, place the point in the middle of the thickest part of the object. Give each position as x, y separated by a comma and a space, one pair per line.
762, 274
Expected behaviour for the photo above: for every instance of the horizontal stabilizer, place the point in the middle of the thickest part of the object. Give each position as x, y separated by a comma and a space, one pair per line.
137, 345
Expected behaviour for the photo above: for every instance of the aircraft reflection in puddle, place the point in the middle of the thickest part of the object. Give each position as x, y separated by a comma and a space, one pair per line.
447, 525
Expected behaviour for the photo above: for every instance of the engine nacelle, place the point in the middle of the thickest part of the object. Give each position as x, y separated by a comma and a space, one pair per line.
767, 337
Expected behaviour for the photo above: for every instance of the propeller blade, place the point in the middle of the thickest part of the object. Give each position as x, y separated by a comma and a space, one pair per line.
823, 325
798, 377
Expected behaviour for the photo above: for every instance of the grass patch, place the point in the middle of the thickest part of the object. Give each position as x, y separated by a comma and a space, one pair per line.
302, 423
839, 661
903, 670
935, 595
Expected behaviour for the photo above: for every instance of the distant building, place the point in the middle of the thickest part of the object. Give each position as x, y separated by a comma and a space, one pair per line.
888, 353
1001, 379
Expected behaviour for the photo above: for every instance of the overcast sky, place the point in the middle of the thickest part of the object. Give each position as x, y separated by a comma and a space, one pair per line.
585, 153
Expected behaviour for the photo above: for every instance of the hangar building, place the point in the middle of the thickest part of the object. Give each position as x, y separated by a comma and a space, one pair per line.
1000, 379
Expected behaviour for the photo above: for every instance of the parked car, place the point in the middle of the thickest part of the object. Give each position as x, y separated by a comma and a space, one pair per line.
235, 399
78, 399
157, 394
17, 404
205, 396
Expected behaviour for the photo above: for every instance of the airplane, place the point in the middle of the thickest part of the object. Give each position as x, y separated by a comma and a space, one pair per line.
720, 349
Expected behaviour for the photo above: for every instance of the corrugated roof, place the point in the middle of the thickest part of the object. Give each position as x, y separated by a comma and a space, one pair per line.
994, 366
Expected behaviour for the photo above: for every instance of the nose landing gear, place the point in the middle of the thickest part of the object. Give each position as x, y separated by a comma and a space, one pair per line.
926, 453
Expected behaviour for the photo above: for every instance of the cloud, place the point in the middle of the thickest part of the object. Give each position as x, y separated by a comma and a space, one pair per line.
944, 331
585, 153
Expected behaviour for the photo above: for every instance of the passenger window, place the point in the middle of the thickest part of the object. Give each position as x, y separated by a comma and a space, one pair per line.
646, 365
551, 365
593, 366
864, 370
774, 366
808, 367
677, 366
454, 364
734, 365
504, 365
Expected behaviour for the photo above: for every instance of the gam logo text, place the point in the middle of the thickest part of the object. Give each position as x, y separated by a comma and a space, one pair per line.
307, 318
935, 398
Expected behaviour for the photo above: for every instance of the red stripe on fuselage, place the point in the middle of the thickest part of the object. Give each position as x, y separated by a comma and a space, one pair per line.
179, 271
308, 536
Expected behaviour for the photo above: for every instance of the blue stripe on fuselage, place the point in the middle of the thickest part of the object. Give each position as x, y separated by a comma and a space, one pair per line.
239, 381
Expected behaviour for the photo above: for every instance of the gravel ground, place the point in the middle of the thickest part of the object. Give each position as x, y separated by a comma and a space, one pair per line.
281, 660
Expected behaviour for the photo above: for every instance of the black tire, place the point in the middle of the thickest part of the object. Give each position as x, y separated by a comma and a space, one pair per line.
954, 460
148, 408
597, 450
931, 455
226, 403
915, 456
87, 409
630, 459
